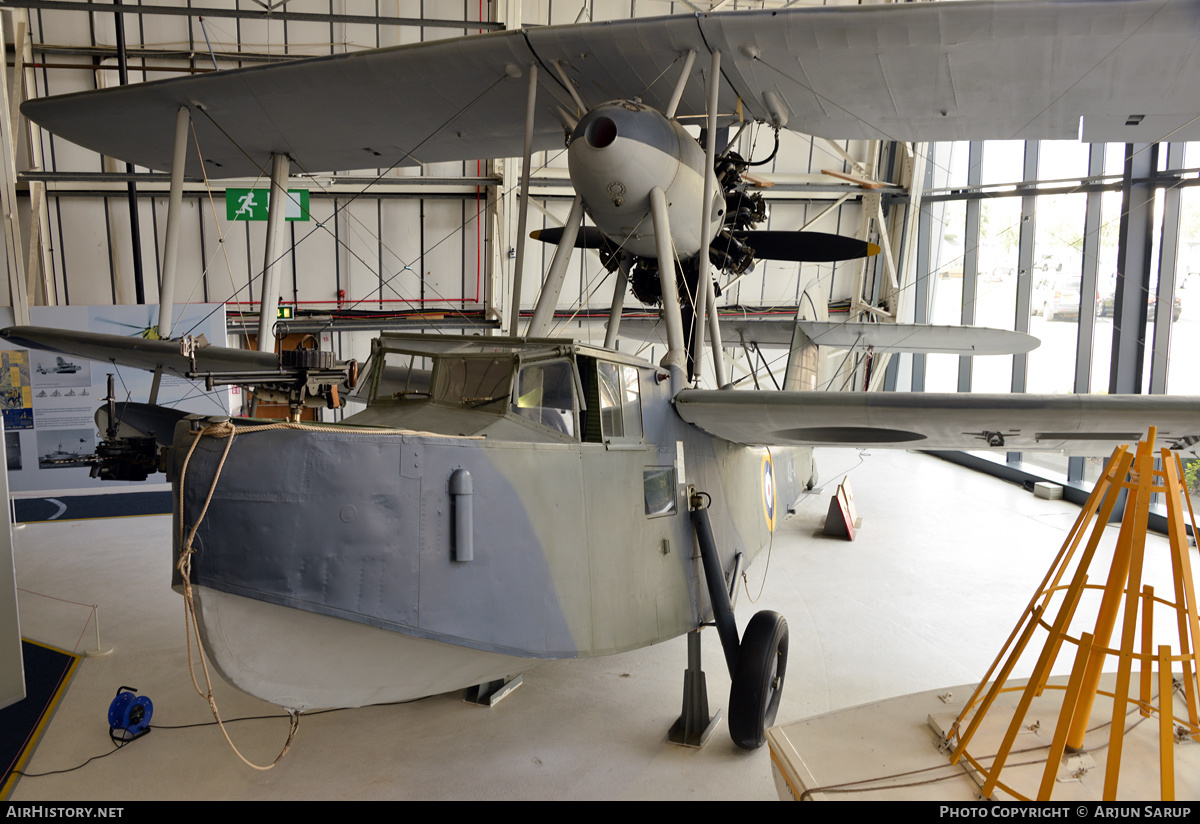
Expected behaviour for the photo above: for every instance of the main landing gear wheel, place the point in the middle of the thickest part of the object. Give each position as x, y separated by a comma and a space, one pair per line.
758, 679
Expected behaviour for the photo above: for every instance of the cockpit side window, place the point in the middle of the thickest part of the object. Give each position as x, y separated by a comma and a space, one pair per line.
614, 394
620, 401
546, 395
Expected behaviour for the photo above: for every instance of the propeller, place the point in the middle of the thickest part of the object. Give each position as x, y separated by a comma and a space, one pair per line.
589, 237
800, 247
805, 247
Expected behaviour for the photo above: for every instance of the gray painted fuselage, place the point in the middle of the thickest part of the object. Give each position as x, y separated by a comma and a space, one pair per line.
355, 522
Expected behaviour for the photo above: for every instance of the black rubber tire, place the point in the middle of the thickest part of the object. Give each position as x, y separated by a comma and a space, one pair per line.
758, 679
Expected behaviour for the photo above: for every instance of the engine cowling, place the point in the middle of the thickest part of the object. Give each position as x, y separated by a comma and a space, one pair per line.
621, 150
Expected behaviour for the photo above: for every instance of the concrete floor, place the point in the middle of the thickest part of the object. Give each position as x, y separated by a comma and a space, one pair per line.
944, 563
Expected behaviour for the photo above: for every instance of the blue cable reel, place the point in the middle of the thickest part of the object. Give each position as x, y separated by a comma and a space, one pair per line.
130, 713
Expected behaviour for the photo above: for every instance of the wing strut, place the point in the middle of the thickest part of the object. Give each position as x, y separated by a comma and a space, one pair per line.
704, 273
677, 92
268, 306
676, 350
523, 208
166, 299
543, 313
618, 301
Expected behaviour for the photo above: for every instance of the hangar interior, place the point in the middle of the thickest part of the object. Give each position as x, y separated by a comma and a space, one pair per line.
1016, 235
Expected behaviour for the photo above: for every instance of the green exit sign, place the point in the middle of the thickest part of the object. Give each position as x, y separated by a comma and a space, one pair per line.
284, 313
252, 204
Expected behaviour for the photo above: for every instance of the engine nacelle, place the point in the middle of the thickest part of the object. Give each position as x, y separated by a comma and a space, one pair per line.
621, 150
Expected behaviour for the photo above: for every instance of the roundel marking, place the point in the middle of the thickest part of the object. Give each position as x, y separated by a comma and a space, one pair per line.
768, 491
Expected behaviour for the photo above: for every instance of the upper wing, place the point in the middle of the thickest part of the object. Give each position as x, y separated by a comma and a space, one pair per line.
138, 353
1078, 424
907, 71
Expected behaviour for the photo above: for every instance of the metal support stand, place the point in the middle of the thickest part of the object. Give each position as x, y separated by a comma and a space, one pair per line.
1152, 680
493, 692
100, 650
694, 725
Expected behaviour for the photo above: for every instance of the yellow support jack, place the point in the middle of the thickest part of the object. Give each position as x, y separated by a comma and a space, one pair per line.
1099, 715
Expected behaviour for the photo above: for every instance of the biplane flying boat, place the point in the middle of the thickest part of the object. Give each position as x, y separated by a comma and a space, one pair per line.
483, 513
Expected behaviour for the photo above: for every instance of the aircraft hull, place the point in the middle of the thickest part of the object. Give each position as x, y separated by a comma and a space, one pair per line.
304, 660
327, 570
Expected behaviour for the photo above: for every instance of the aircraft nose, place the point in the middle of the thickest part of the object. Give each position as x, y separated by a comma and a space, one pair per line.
601, 132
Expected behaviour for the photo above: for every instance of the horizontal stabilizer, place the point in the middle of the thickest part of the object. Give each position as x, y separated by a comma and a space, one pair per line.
881, 337
805, 247
1075, 424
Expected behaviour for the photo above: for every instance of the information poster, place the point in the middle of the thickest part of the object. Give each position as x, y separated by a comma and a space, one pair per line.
49, 399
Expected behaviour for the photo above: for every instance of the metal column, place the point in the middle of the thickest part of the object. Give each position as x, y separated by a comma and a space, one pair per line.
1025, 272
1133, 269
970, 276
135, 230
1086, 331
8, 204
923, 293
1168, 256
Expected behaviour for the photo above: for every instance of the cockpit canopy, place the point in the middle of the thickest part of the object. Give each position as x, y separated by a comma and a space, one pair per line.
562, 387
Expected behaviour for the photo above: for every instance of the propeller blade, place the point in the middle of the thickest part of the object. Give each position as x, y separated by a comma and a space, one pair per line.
589, 237
808, 247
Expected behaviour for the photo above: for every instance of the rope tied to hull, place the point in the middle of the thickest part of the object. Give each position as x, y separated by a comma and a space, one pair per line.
223, 429
228, 430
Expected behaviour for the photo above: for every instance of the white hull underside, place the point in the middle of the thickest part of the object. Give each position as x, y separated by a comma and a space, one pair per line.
302, 660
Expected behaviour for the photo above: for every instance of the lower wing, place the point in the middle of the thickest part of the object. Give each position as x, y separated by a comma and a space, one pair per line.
138, 352
1076, 424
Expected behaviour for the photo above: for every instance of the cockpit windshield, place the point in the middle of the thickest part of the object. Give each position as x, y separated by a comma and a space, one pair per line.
474, 382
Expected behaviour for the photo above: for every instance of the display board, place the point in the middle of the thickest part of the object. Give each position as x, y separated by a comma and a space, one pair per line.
48, 401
